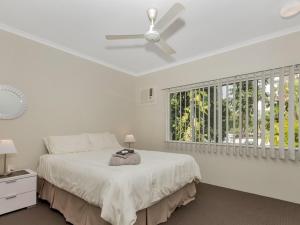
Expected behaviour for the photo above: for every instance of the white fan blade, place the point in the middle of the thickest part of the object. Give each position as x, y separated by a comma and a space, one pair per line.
169, 17
118, 37
166, 47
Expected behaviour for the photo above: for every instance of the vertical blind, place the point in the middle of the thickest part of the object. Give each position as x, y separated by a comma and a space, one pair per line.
258, 111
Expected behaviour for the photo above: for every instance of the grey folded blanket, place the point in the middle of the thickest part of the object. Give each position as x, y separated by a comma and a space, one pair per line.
128, 159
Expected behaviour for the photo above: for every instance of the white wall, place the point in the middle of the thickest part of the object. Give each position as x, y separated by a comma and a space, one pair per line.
276, 179
65, 94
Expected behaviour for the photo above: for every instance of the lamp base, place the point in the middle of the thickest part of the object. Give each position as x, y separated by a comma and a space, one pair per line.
129, 145
5, 172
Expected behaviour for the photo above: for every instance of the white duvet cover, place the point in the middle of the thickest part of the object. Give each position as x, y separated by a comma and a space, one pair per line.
120, 191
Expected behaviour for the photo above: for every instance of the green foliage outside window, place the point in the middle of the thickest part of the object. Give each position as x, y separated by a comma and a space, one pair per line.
192, 118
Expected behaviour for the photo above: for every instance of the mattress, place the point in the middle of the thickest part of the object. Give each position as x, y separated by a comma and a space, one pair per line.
119, 191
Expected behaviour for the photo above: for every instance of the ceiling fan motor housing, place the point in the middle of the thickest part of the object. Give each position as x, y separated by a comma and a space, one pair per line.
152, 36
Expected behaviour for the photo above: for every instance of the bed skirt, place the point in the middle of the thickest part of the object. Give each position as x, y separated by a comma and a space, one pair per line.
79, 212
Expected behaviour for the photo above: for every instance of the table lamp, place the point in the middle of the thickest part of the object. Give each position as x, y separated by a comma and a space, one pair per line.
6, 147
129, 138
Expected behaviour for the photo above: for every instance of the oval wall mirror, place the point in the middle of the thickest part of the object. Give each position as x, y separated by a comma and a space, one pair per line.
12, 102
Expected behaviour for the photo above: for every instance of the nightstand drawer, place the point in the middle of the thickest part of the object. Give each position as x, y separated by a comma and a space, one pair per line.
17, 186
15, 202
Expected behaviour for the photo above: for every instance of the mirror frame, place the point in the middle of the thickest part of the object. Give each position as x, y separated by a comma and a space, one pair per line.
21, 96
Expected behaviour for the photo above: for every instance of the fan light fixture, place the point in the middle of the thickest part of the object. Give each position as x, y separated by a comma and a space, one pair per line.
290, 10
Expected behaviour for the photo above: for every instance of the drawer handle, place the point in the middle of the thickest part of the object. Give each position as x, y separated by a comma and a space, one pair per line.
10, 197
11, 181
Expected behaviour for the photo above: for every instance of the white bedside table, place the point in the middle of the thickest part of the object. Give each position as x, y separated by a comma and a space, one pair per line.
17, 191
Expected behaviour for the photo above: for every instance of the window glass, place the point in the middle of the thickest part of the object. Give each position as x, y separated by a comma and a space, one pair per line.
194, 114
212, 113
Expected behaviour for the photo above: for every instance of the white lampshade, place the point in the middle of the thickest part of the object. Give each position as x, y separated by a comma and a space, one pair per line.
7, 147
129, 138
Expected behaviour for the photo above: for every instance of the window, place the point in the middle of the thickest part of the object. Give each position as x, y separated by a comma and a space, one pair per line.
255, 110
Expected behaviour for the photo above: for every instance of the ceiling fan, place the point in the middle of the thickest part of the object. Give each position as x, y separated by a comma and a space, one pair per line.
153, 35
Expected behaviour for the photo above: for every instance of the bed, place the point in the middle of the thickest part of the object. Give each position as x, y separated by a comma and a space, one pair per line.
87, 191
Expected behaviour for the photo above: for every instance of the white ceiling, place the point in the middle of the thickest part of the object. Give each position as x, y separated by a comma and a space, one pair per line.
205, 28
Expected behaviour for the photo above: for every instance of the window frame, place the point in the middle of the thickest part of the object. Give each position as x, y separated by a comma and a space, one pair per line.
217, 86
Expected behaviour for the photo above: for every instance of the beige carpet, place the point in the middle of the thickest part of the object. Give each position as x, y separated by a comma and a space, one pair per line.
213, 206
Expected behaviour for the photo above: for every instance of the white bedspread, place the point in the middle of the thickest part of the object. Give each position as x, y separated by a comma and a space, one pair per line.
120, 191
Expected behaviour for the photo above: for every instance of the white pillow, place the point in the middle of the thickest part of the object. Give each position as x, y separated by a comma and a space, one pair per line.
67, 144
101, 141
